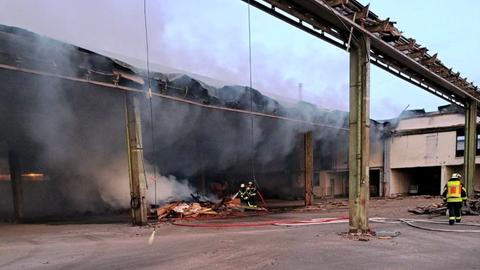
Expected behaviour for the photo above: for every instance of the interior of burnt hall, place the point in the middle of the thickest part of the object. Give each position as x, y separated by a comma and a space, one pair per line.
63, 118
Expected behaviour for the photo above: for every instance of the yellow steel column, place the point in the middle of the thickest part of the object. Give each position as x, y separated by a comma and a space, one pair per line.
135, 160
358, 160
470, 145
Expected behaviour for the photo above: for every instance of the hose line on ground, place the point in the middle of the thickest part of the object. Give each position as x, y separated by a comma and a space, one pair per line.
414, 223
321, 221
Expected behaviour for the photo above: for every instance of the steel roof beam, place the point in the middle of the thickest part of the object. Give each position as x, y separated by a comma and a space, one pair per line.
339, 20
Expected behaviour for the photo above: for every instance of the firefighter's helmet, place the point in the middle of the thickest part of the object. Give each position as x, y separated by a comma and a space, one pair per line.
242, 185
250, 183
456, 176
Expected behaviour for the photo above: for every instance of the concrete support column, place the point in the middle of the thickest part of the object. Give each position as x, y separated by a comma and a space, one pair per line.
358, 157
387, 171
308, 163
138, 180
470, 145
444, 176
16, 180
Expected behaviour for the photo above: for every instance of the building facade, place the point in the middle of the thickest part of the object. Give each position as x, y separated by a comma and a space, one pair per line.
413, 154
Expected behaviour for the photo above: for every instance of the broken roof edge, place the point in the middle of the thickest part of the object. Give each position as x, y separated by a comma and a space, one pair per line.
108, 69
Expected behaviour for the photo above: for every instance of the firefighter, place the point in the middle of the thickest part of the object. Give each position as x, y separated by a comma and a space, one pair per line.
454, 194
244, 194
252, 194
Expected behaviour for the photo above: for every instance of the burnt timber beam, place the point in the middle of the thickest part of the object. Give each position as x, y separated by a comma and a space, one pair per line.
428, 61
382, 26
308, 163
335, 3
439, 69
417, 53
406, 47
360, 16
16, 181
363, 13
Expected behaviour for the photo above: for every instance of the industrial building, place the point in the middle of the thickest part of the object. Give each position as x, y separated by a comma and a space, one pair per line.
64, 118
64, 132
220, 176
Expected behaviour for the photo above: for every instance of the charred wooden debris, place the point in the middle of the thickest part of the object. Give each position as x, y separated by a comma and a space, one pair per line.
200, 207
471, 207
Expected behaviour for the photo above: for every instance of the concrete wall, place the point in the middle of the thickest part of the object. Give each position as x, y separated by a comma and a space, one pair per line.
340, 162
440, 120
376, 152
400, 182
426, 150
328, 188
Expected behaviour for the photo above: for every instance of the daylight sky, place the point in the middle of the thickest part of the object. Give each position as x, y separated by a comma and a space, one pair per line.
210, 38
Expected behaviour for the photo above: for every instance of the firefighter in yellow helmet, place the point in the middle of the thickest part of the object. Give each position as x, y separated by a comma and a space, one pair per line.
454, 194
252, 194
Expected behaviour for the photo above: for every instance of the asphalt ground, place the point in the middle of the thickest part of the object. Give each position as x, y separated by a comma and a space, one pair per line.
122, 246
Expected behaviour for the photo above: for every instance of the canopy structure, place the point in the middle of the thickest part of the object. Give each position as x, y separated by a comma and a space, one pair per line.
341, 22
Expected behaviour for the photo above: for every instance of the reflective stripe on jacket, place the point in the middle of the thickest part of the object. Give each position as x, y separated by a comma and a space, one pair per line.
454, 191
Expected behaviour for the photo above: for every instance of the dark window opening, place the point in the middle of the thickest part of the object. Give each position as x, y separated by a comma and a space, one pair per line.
316, 179
460, 143
374, 183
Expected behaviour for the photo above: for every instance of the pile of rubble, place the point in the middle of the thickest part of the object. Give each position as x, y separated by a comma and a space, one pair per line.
183, 209
198, 208
472, 207
434, 208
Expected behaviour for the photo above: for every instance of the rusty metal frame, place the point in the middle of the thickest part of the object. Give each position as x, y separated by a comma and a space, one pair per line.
332, 22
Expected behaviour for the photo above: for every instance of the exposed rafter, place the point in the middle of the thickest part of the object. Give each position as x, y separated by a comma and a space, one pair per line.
335, 20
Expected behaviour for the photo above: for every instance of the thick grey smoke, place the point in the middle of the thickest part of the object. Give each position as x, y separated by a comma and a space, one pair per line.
80, 136
168, 188
74, 133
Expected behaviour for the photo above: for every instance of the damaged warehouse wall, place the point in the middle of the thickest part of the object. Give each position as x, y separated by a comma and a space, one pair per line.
224, 141
61, 114
71, 133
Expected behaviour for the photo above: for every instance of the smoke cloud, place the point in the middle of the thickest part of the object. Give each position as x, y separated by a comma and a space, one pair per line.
77, 132
168, 188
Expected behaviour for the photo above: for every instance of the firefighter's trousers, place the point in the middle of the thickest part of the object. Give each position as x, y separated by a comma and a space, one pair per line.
454, 212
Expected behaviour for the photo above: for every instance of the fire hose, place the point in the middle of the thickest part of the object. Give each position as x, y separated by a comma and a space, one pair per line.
316, 221
319, 221
414, 223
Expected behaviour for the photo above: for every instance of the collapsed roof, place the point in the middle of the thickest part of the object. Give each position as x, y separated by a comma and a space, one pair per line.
25, 51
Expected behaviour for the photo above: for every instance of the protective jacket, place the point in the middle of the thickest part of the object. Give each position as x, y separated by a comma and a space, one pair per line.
454, 191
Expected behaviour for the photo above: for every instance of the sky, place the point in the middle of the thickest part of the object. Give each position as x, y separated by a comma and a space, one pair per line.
210, 38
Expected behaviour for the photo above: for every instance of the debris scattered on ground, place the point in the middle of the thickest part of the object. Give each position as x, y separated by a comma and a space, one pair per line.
364, 237
472, 207
196, 208
325, 206
386, 234
434, 208
183, 209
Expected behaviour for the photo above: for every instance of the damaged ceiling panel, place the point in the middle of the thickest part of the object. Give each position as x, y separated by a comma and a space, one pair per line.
74, 63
